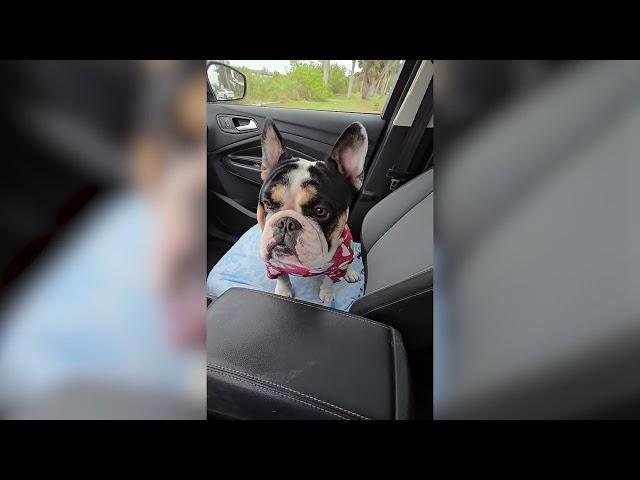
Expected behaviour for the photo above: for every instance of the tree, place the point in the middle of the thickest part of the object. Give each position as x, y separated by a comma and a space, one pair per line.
371, 70
326, 67
353, 69
388, 72
391, 75
377, 75
338, 79
308, 78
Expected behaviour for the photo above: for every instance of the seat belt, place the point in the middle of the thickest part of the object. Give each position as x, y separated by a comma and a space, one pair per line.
399, 171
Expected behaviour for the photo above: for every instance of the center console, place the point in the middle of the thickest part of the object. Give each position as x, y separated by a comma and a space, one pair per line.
272, 357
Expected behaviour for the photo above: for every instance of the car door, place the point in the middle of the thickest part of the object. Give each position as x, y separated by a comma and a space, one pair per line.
234, 152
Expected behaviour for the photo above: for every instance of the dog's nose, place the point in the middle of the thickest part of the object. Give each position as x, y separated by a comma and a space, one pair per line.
288, 224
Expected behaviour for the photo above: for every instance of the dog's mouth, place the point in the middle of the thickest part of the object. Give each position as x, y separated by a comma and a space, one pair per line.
279, 250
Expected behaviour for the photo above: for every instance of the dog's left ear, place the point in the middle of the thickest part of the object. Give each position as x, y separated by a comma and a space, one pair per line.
349, 153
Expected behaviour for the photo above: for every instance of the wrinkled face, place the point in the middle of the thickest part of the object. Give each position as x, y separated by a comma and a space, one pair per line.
304, 205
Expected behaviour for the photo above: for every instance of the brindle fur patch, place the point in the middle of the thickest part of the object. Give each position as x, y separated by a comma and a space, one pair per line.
335, 233
277, 193
261, 216
306, 195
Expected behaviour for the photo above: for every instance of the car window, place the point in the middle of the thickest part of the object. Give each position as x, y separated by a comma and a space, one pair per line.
336, 85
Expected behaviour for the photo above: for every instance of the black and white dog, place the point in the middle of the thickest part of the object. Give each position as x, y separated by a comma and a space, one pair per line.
303, 210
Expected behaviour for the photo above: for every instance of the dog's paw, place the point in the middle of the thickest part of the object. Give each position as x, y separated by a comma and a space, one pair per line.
326, 295
284, 290
351, 275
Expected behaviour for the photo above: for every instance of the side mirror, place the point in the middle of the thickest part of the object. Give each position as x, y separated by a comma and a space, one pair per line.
225, 82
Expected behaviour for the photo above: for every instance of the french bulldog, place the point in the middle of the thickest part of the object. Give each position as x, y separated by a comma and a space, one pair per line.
303, 210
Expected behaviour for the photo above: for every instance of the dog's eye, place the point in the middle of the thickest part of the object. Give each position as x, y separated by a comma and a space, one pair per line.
266, 204
321, 211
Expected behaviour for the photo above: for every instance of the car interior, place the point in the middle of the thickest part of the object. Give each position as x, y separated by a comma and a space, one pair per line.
273, 357
60, 140
551, 333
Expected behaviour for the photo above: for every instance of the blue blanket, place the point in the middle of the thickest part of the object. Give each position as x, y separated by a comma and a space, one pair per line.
242, 267
88, 311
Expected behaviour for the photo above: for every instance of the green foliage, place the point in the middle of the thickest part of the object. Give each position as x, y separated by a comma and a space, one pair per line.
263, 88
303, 81
302, 86
308, 79
338, 79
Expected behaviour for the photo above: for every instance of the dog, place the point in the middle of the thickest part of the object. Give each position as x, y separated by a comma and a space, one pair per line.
303, 210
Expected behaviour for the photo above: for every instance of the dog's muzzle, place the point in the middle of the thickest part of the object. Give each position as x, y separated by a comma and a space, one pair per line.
290, 237
285, 235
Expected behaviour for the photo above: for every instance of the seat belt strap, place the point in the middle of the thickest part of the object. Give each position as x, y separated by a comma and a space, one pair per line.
399, 171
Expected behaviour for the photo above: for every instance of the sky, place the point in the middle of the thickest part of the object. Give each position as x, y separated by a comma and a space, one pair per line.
279, 65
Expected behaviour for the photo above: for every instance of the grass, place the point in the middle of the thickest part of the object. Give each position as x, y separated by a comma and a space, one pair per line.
337, 103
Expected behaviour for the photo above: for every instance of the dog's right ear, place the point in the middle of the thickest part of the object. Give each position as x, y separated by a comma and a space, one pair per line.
272, 148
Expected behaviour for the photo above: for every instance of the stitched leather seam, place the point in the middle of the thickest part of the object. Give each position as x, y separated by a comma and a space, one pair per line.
398, 283
398, 300
261, 380
395, 375
327, 309
271, 390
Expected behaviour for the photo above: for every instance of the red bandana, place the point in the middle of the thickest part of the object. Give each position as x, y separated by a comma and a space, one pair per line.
336, 271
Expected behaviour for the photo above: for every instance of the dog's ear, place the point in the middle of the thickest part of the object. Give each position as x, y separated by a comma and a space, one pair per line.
272, 148
349, 153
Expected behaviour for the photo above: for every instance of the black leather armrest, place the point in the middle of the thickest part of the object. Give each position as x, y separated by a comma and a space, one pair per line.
271, 357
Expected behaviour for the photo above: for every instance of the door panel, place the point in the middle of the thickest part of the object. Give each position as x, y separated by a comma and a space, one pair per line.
233, 157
